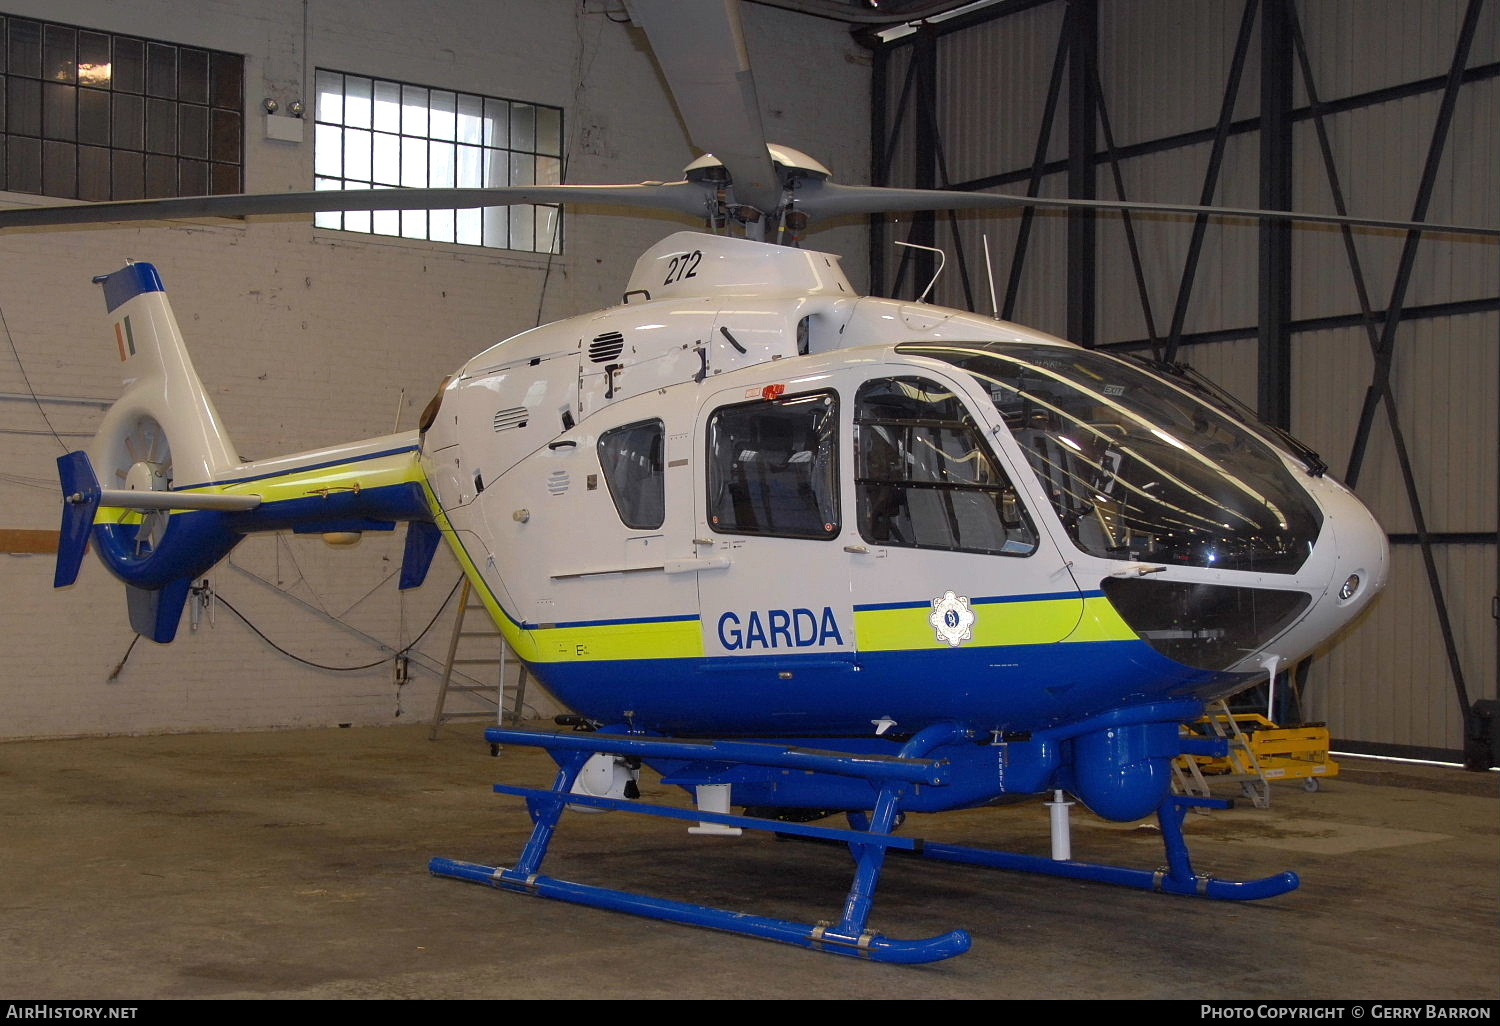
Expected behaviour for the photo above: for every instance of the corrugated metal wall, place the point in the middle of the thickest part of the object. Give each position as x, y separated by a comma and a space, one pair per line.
1164, 67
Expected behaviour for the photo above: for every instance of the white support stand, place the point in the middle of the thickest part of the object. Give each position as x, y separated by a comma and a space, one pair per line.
714, 798
1062, 841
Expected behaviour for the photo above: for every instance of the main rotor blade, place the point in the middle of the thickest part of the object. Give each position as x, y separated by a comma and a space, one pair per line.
826, 199
680, 197
701, 49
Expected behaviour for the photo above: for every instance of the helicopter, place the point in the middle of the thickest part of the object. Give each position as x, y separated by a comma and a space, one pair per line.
800, 551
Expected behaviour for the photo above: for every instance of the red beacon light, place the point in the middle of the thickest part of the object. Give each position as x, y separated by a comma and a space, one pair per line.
772, 392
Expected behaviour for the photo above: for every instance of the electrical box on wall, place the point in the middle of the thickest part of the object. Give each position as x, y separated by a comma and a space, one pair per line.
283, 128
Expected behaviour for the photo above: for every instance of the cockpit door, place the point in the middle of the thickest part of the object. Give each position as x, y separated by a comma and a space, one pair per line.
773, 580
948, 551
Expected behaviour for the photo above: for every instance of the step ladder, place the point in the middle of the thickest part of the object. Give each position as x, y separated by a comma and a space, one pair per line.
1241, 762
480, 646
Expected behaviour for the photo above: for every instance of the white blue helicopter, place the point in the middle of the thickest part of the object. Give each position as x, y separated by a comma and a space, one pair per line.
800, 551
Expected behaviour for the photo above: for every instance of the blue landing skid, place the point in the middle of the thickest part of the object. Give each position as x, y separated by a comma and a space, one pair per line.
890, 778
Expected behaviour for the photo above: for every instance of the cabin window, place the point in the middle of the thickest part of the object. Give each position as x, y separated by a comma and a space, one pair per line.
631, 458
772, 467
99, 116
924, 477
372, 133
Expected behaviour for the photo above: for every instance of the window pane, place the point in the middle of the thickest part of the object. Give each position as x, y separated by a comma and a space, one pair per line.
631, 458
496, 167
23, 102
414, 163
772, 468
522, 126
548, 230
25, 48
522, 169
469, 230
192, 132
523, 228
414, 224
60, 54
93, 117
129, 129
226, 134
328, 151
330, 98
161, 71
440, 226
93, 173
226, 77
497, 227
470, 119
925, 477
387, 159
549, 131
440, 165
161, 126
470, 167
161, 175
414, 102
358, 99
23, 165
192, 178
548, 171
129, 66
387, 113
225, 178
59, 169
385, 222
357, 154
497, 123
94, 65
128, 174
443, 123
59, 112
192, 76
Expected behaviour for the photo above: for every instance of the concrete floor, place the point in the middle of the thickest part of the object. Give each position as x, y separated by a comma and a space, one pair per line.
293, 865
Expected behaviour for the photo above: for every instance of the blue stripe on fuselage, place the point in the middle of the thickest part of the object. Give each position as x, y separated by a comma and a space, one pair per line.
1016, 688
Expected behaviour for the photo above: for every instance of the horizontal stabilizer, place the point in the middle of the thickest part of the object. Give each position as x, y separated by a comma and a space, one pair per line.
81, 495
129, 498
156, 614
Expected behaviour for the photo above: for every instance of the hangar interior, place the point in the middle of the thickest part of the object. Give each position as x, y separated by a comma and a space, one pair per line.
1379, 348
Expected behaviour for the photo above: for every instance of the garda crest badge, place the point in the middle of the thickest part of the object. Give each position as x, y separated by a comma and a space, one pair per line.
952, 619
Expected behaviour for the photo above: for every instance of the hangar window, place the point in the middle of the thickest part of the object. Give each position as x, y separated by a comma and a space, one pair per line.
373, 133
98, 116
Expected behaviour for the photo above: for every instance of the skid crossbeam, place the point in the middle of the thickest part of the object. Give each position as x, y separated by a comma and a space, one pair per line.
870, 836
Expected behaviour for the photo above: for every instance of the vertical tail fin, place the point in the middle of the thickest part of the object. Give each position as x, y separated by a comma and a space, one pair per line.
165, 423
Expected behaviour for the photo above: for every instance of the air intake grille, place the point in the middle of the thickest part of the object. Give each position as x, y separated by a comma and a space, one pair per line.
512, 418
606, 347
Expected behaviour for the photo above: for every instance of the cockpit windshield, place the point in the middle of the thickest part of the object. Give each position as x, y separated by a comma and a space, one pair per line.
1138, 469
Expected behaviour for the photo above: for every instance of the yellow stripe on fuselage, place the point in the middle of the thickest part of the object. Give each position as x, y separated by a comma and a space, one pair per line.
995, 624
1100, 622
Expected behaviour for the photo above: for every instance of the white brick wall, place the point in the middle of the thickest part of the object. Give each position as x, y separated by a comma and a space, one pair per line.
306, 337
